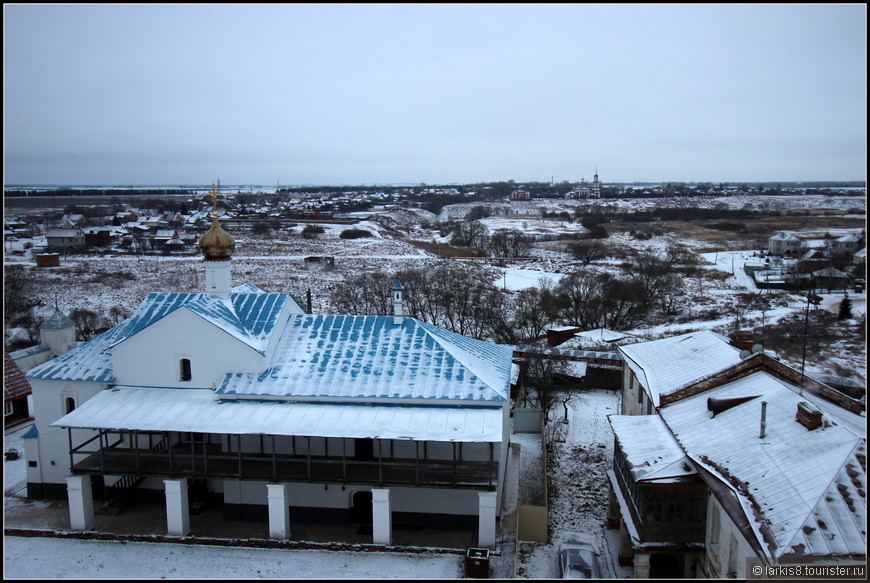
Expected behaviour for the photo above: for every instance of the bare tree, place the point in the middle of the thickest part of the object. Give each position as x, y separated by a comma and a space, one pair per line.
588, 250
87, 323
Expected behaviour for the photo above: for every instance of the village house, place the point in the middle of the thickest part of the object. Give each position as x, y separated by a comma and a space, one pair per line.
237, 398
783, 243
725, 458
65, 240
72, 221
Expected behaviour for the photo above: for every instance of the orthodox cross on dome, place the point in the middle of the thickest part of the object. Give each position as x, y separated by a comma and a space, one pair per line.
214, 211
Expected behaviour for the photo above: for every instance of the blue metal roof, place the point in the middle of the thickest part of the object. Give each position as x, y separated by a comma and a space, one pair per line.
251, 317
370, 357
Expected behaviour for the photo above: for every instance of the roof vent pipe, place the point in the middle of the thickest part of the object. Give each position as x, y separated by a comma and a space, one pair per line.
719, 404
398, 303
763, 418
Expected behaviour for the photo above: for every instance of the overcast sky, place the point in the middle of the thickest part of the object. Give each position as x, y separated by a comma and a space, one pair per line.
378, 94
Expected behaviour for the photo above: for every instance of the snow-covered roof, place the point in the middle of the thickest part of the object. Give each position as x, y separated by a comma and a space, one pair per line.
650, 449
805, 488
830, 272
249, 317
784, 236
370, 357
667, 365
57, 321
202, 411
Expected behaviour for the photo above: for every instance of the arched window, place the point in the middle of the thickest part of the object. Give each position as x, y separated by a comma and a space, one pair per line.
184, 370
69, 405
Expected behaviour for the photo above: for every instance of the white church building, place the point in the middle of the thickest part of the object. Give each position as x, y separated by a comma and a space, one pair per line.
237, 398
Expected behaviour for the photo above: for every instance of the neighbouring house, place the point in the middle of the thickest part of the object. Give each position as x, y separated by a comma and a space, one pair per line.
783, 243
599, 339
830, 278
162, 237
65, 240
98, 236
741, 460
520, 194
239, 399
559, 334
16, 390
848, 244
72, 221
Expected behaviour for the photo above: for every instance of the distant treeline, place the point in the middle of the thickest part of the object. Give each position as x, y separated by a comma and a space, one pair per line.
97, 192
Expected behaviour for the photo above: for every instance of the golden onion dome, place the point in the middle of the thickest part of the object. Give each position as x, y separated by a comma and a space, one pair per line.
216, 244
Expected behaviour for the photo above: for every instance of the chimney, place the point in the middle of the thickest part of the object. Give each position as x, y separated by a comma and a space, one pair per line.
398, 303
808, 416
763, 418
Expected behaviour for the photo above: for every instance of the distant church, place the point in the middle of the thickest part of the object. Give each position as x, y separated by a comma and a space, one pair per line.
585, 189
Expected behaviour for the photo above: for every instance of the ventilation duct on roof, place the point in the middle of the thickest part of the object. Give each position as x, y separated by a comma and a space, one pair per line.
718, 405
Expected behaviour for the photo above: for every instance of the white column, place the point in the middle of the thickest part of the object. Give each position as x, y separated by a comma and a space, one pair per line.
177, 507
382, 525
279, 511
81, 502
486, 519
641, 566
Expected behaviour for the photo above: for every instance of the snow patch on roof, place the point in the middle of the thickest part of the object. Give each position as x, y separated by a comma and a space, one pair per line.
370, 357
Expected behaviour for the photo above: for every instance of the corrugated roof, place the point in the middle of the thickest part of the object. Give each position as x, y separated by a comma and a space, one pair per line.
800, 484
370, 357
88, 362
649, 446
201, 411
15, 385
667, 365
250, 317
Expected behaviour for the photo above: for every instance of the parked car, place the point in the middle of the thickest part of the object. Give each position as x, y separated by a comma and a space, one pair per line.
578, 559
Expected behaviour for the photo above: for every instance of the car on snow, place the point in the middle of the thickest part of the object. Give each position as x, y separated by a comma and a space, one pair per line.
578, 559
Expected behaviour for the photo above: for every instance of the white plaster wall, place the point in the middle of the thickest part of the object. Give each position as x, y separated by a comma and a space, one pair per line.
52, 450
58, 341
718, 553
630, 389
151, 357
427, 500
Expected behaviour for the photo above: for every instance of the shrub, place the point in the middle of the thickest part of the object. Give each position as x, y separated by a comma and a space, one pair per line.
311, 231
355, 234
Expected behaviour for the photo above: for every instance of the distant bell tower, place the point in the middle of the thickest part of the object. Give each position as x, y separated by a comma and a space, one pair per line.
217, 249
596, 186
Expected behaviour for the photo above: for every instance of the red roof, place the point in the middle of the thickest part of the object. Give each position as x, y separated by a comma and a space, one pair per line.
15, 385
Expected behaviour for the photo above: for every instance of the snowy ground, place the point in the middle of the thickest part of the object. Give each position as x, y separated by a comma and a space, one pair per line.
577, 488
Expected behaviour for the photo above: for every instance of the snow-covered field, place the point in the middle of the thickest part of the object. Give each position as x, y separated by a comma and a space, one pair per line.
577, 486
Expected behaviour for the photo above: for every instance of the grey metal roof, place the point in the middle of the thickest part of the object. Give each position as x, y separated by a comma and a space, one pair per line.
201, 411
